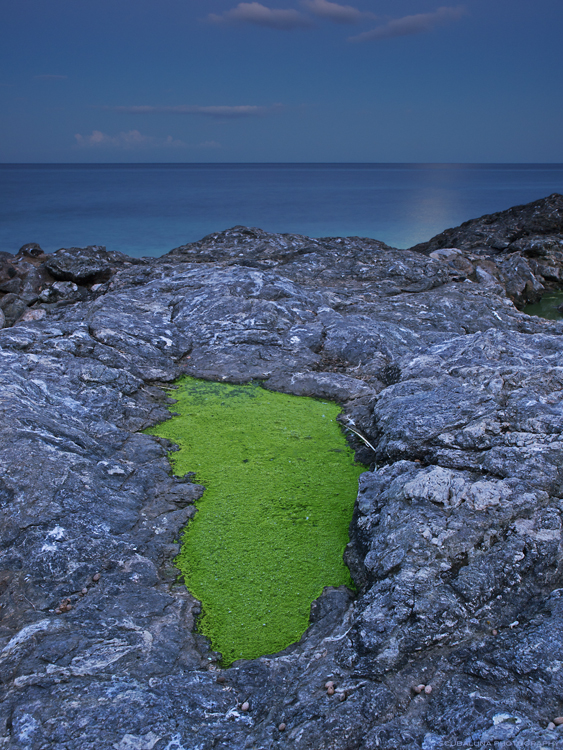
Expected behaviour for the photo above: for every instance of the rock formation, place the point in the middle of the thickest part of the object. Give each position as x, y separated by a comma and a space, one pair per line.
456, 633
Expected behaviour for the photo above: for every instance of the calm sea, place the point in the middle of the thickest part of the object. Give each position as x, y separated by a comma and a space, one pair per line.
147, 209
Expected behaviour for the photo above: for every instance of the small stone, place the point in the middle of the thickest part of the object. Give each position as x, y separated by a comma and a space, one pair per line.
428, 689
329, 684
419, 688
330, 691
221, 678
558, 720
551, 725
245, 706
495, 632
96, 577
342, 696
84, 592
68, 607
58, 611
282, 727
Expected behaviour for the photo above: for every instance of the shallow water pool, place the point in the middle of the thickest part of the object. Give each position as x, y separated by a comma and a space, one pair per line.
547, 306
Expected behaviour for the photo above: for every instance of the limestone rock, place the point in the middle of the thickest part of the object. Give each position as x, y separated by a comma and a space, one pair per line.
456, 541
93, 263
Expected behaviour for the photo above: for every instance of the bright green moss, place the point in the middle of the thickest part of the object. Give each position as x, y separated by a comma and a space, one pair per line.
273, 522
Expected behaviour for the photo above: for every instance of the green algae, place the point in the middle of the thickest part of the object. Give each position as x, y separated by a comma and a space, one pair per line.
547, 306
272, 525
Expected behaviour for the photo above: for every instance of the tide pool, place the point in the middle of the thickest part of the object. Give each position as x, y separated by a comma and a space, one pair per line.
547, 307
272, 525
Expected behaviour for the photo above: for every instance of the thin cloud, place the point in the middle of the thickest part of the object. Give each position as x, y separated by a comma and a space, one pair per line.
335, 12
245, 110
416, 24
260, 15
49, 77
209, 144
132, 139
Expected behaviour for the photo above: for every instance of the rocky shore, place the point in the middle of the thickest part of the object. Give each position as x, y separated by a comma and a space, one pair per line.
455, 637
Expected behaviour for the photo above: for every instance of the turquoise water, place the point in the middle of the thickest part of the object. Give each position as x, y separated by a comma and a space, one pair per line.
147, 209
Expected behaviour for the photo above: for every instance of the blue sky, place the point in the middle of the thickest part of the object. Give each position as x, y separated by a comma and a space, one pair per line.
281, 81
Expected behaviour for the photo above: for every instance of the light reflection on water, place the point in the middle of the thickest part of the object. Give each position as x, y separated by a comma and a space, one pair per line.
147, 209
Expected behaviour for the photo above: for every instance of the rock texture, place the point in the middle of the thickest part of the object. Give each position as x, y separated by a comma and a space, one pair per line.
455, 636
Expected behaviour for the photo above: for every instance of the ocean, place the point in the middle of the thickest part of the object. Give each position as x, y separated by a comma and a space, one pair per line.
147, 209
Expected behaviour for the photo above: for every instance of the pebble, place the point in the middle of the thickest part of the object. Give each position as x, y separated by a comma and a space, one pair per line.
68, 607
84, 592
428, 689
342, 696
419, 688
558, 720
330, 691
551, 725
96, 577
282, 727
329, 684
245, 706
220, 678
495, 632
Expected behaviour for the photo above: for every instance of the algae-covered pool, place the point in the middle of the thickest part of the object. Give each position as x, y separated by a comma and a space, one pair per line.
272, 525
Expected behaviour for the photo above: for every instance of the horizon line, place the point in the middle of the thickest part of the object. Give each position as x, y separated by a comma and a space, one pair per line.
280, 163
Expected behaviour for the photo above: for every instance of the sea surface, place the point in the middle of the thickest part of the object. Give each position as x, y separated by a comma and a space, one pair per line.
148, 209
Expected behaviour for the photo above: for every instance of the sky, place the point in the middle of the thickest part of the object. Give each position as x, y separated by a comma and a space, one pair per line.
474, 81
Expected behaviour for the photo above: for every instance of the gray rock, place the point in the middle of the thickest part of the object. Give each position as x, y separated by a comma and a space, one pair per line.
13, 307
455, 545
81, 265
521, 248
63, 291
12, 286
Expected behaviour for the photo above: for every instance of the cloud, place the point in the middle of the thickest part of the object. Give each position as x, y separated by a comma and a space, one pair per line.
417, 24
245, 110
335, 12
130, 140
260, 15
209, 144
49, 77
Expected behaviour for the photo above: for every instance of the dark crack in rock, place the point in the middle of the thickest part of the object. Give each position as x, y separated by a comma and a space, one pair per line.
455, 635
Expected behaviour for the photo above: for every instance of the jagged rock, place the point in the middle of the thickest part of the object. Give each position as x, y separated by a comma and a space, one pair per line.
83, 265
31, 250
456, 540
522, 247
535, 227
60, 291
13, 307
13, 286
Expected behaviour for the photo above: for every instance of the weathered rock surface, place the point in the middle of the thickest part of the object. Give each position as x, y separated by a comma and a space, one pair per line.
522, 248
456, 538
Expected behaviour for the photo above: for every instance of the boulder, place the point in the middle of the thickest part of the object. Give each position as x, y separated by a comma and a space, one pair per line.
85, 265
12, 307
